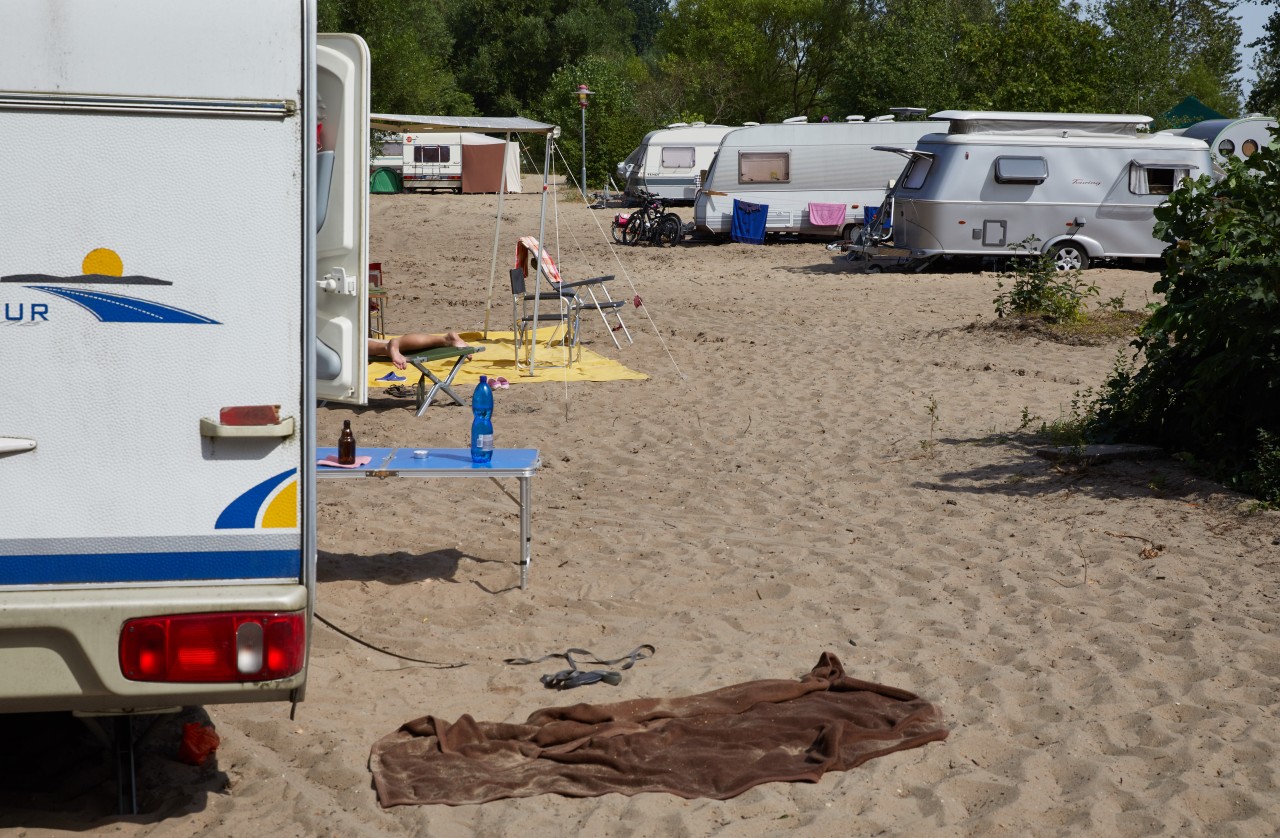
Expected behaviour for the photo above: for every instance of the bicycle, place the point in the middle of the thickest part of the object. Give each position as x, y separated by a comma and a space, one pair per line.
651, 223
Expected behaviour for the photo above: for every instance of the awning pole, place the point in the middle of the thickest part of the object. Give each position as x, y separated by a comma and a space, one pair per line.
542, 231
497, 234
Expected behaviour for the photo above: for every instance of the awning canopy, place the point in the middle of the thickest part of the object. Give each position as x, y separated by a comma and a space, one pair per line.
402, 123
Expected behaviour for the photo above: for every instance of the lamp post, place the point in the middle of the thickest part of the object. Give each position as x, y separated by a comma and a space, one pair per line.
583, 93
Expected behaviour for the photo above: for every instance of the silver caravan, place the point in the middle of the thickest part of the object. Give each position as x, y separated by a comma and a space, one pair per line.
670, 162
788, 166
1085, 185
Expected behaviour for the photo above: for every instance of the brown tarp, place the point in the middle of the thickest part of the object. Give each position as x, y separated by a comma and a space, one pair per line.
482, 167
716, 744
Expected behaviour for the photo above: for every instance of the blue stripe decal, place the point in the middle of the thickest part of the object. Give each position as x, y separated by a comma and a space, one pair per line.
118, 308
150, 567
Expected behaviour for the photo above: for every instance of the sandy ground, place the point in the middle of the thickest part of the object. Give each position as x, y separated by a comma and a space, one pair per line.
821, 460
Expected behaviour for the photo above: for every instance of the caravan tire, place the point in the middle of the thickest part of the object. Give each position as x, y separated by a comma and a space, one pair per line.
1069, 257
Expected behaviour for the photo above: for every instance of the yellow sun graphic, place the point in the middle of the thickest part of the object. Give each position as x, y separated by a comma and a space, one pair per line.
102, 261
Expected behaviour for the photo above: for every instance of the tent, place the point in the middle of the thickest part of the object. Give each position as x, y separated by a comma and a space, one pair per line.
384, 181
483, 168
1188, 112
506, 125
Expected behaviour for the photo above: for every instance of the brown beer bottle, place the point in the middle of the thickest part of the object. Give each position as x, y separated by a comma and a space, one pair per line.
346, 445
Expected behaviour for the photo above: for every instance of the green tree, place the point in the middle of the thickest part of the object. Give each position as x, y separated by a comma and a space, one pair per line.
614, 128
1155, 54
1034, 56
908, 53
409, 53
761, 60
1265, 96
506, 51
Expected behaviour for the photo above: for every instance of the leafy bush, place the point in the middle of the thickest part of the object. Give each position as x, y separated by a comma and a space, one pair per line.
1210, 383
1039, 288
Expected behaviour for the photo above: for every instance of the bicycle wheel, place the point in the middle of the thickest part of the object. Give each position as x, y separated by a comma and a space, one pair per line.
670, 230
637, 228
617, 230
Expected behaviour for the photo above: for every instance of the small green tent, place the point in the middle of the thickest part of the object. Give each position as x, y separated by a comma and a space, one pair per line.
385, 182
1188, 112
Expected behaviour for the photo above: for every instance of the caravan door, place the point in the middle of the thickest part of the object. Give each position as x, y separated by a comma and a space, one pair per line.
342, 219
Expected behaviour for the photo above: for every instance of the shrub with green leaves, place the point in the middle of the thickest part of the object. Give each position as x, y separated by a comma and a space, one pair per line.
1209, 384
1038, 288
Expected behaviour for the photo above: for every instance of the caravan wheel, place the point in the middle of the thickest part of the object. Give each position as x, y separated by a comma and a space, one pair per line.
1069, 257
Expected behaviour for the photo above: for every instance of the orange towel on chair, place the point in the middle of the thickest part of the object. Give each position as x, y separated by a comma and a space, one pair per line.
525, 248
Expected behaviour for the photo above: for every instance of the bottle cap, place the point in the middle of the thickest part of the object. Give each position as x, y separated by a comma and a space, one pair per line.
420, 454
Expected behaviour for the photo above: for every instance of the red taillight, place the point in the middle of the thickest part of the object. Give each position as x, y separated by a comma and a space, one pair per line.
240, 646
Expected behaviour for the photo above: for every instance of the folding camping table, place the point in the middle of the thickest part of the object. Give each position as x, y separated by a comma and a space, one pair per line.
420, 361
520, 463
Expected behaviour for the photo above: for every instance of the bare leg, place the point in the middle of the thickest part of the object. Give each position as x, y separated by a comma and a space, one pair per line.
398, 348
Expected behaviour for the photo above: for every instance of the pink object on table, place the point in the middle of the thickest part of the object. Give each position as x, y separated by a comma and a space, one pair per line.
826, 215
332, 461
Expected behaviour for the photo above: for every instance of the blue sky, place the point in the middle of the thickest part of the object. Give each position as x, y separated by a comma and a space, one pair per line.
1253, 17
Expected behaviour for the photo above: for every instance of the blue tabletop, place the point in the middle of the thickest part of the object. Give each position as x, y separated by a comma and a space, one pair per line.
517, 462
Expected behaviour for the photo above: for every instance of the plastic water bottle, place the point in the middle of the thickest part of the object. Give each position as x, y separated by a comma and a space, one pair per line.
482, 422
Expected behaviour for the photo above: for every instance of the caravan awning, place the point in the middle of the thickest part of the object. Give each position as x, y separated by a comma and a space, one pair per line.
1139, 164
404, 123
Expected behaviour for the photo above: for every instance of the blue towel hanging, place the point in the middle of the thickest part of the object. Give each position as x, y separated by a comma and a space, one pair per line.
748, 222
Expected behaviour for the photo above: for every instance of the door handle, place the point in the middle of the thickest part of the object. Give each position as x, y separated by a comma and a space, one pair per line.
16, 445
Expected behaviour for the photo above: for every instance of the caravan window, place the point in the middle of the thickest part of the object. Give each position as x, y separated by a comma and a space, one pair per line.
764, 167
1156, 178
431, 154
917, 171
677, 157
1021, 170
392, 149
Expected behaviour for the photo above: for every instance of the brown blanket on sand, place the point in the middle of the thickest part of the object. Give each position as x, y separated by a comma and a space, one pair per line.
717, 744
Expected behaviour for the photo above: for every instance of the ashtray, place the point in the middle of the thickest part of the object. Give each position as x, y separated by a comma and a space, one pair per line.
420, 454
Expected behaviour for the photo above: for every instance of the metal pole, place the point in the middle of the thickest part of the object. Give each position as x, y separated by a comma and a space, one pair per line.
583, 93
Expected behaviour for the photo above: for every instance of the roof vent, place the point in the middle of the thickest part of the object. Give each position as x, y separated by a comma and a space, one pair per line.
749, 124
678, 125
795, 120
886, 118
855, 117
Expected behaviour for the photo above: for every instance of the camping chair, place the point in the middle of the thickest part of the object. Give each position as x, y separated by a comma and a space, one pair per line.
420, 360
524, 323
584, 294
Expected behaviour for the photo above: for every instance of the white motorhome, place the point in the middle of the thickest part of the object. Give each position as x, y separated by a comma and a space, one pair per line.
429, 161
1085, 185
788, 166
670, 162
157, 524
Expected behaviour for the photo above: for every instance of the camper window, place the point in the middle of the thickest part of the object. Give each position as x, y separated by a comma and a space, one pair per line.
1021, 170
917, 171
1226, 148
677, 157
1155, 178
764, 167
431, 154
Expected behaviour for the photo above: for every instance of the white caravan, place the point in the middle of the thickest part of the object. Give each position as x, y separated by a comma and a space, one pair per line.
788, 166
1232, 137
437, 160
1085, 185
670, 162
157, 522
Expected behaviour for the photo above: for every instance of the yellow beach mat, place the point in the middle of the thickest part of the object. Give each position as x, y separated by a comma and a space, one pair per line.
498, 359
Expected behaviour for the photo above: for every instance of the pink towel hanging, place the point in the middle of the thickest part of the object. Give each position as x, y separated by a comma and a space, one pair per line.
826, 215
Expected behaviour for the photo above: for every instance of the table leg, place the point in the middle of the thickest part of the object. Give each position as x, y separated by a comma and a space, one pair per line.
526, 536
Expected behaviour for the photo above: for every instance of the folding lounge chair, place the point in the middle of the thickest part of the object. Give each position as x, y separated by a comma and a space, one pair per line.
525, 324
420, 361
590, 302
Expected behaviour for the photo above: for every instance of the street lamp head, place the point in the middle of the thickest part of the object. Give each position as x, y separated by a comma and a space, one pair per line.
583, 93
